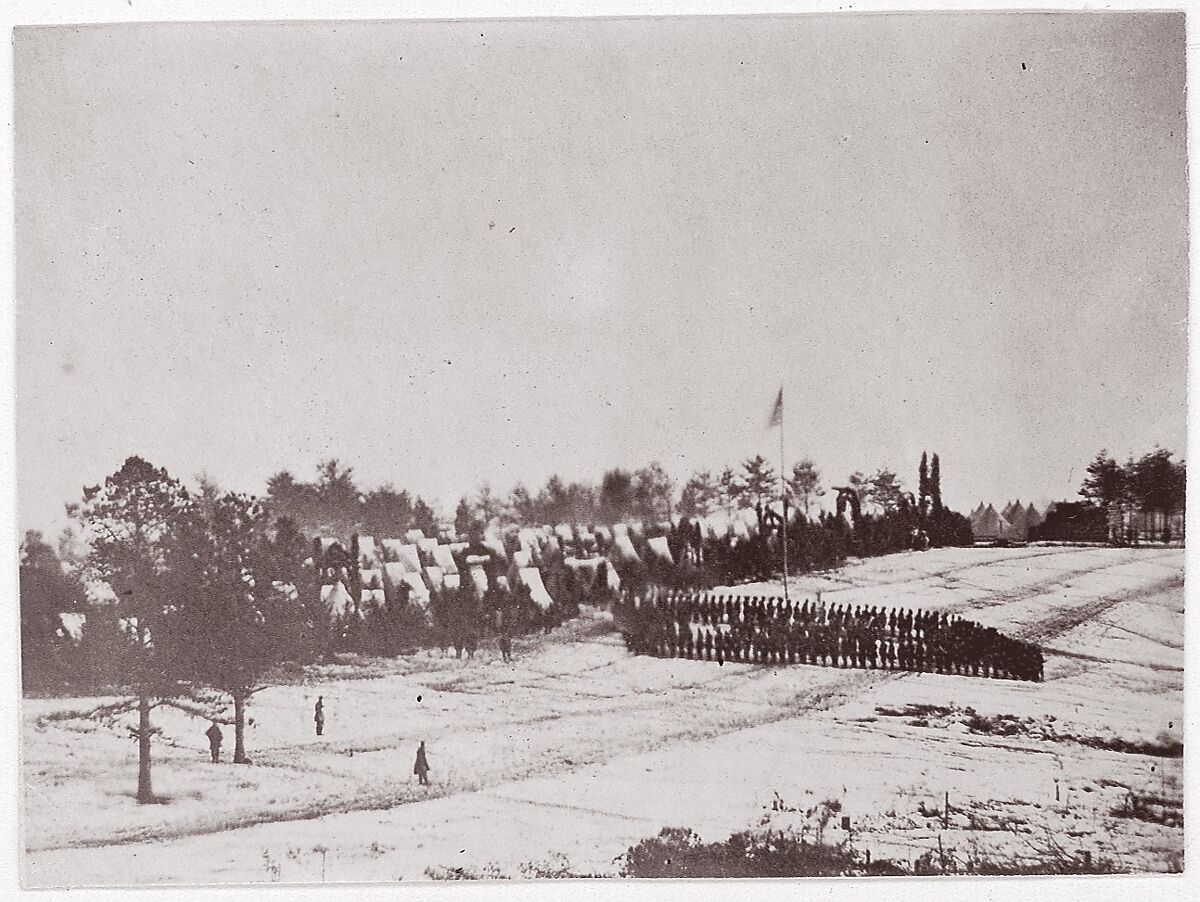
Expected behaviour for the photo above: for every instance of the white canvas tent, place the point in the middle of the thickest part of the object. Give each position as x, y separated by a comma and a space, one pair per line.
414, 536
427, 545
989, 525
435, 578
368, 554
391, 549
624, 551
531, 578
418, 592
522, 558
393, 574
661, 549
337, 599
453, 580
410, 557
444, 558
371, 579
614, 578
479, 579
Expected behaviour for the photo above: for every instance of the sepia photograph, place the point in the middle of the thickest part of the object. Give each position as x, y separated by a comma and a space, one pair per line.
623, 448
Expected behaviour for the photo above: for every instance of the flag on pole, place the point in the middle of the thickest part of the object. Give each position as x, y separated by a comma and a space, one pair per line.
776, 411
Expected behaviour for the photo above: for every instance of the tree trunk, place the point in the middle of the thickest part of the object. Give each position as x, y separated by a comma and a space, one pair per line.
145, 794
239, 727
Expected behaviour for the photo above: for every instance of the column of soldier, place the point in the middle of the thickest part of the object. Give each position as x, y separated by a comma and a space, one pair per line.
722, 628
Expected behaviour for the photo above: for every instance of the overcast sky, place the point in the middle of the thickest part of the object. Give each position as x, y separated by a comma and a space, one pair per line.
451, 252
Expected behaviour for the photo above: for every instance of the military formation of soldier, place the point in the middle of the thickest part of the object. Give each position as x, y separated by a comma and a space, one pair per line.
723, 628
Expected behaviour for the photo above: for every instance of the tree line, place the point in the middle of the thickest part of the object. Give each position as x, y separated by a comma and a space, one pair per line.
1127, 502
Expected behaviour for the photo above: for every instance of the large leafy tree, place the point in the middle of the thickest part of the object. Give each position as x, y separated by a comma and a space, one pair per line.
652, 492
732, 490
1108, 487
804, 485
230, 624
616, 501
386, 512
1157, 483
884, 491
700, 495
134, 523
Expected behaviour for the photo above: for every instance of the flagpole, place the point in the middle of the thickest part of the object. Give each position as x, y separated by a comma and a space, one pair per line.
783, 498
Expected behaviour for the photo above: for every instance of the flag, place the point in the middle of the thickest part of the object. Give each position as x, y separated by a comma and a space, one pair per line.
776, 411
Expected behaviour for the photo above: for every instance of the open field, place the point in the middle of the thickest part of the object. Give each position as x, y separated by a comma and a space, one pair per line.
578, 749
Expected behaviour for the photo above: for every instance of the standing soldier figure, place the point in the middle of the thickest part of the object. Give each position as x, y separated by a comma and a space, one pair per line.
319, 715
215, 737
421, 767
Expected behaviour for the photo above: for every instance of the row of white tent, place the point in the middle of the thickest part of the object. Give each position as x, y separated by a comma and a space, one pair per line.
1013, 522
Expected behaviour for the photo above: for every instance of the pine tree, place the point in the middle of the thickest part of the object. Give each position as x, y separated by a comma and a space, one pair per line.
923, 484
134, 522
935, 484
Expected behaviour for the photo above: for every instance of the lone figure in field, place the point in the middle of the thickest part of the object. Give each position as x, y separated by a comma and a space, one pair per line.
215, 738
421, 767
319, 714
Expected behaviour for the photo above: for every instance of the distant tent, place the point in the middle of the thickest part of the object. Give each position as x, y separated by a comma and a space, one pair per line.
393, 574
528, 539
427, 544
414, 536
661, 549
479, 579
443, 556
614, 579
453, 581
435, 578
368, 555
336, 599
458, 547
410, 557
373, 596
522, 558
563, 531
585, 570
391, 549
532, 580
604, 533
418, 592
496, 546
989, 525
620, 529
502, 583
328, 543
371, 579
624, 551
